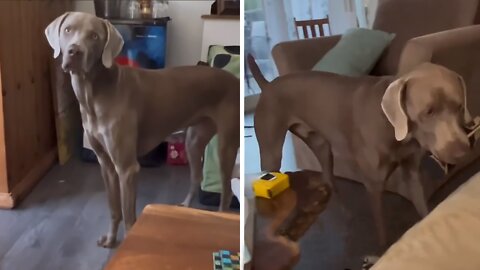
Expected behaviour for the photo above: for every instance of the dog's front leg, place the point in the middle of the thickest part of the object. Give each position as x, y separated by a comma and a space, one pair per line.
128, 191
415, 188
412, 174
121, 144
374, 180
110, 179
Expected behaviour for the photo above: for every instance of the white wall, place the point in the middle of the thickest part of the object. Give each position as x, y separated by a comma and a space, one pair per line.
184, 42
219, 32
184, 38
84, 6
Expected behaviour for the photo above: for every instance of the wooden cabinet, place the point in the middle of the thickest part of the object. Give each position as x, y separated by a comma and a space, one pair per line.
27, 121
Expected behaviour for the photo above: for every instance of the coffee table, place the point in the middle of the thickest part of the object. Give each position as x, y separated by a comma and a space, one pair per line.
173, 237
280, 222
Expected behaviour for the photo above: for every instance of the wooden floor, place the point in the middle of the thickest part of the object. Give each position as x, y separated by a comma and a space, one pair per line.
57, 226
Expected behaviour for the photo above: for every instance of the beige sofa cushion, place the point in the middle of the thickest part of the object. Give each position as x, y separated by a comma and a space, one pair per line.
448, 238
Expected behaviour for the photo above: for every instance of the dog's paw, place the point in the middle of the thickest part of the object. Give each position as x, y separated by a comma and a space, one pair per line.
184, 204
106, 241
369, 261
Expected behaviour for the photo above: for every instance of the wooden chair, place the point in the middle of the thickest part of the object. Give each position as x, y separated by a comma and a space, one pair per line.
311, 24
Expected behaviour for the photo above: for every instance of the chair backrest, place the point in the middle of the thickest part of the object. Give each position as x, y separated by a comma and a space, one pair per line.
312, 25
412, 18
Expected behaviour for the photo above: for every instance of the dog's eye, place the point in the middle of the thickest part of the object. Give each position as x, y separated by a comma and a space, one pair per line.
68, 30
429, 112
94, 36
459, 108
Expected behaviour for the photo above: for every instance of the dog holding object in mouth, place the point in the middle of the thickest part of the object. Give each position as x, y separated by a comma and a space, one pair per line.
383, 123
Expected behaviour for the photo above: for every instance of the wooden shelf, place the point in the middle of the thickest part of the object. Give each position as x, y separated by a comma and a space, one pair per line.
221, 17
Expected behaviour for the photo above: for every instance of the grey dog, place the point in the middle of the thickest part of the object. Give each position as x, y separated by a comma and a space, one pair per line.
384, 123
126, 112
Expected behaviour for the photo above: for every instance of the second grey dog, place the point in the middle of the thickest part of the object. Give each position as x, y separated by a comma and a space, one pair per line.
384, 123
128, 111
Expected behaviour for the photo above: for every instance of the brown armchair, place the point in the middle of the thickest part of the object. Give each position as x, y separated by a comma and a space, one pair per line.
437, 31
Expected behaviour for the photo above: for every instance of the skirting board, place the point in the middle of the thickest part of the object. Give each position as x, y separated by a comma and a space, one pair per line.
6, 200
10, 200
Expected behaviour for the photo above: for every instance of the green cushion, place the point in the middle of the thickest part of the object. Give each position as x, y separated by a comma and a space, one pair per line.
227, 62
356, 53
212, 179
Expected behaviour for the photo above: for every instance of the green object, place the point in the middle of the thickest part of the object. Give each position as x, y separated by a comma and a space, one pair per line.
356, 53
227, 58
212, 178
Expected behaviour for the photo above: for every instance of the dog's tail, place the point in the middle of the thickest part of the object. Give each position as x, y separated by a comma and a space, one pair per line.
257, 74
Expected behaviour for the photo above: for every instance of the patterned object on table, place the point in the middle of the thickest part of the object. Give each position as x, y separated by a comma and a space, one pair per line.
217, 261
225, 260
472, 134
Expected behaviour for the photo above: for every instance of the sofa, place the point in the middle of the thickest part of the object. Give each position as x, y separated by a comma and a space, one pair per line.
445, 239
437, 31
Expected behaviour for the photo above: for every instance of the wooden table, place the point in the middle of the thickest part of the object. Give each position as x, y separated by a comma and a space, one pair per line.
177, 238
280, 222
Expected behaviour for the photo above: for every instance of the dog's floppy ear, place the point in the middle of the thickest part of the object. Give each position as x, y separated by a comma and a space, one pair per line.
392, 106
113, 45
466, 114
53, 33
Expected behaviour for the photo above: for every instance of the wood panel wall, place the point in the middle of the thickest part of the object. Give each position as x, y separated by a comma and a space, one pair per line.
28, 115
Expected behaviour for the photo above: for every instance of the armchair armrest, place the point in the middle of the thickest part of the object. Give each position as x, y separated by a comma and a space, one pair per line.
298, 55
456, 49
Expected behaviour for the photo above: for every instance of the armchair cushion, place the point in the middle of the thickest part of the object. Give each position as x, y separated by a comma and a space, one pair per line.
356, 53
456, 49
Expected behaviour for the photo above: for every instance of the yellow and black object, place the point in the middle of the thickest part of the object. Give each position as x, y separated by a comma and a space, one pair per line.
270, 185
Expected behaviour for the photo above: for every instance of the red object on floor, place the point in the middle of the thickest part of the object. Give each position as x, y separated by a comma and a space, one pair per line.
176, 153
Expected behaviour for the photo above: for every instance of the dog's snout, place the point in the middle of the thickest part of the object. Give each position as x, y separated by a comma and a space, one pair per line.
74, 50
456, 151
73, 57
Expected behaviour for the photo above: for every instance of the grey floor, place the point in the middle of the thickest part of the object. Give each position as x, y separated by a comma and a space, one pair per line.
344, 233
57, 225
